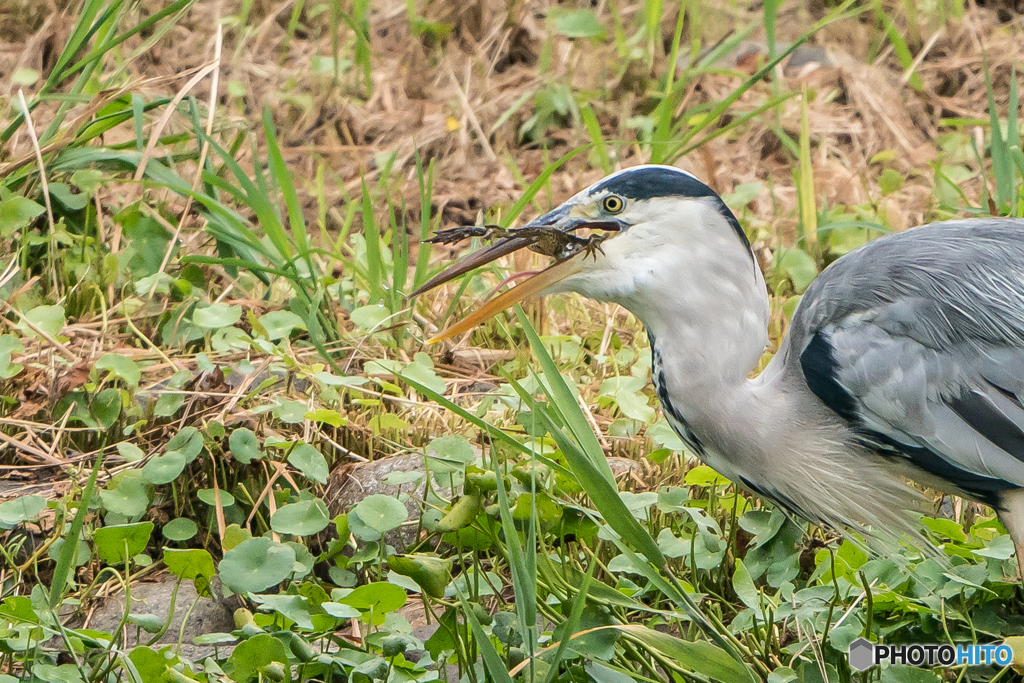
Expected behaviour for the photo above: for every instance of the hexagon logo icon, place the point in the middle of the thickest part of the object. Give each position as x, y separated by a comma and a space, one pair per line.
862, 654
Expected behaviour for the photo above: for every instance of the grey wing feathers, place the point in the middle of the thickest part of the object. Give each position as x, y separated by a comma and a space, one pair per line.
917, 340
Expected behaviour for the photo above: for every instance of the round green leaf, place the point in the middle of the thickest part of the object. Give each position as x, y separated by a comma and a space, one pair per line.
377, 599
106, 407
381, 513
214, 639
150, 623
19, 510
82, 554
130, 451
580, 23
150, 665
121, 367
255, 654
49, 319
799, 267
189, 441
180, 529
70, 200
430, 572
291, 412
340, 611
401, 478
244, 445
189, 564
448, 455
330, 417
164, 469
369, 317
16, 213
216, 316
304, 518
64, 673
208, 497
279, 324
310, 462
295, 607
256, 565
126, 494
116, 543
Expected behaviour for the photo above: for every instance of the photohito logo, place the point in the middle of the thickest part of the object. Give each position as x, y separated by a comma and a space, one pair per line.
864, 654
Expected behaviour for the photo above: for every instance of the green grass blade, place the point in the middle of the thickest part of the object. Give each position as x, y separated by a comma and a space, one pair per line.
492, 660
1012, 126
672, 589
573, 623
700, 657
537, 185
727, 46
713, 116
667, 105
491, 430
425, 181
371, 233
524, 581
808, 224
1002, 167
283, 179
771, 14
563, 399
138, 109
143, 26
737, 122
70, 548
604, 494
899, 45
596, 137
249, 193
235, 262
400, 257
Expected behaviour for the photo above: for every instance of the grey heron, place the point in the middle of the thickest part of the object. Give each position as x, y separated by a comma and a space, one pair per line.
904, 359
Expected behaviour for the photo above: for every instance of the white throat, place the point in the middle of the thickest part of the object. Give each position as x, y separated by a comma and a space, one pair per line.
686, 274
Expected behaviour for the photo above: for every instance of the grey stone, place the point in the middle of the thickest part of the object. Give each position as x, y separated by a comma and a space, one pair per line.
624, 467
208, 616
349, 485
756, 52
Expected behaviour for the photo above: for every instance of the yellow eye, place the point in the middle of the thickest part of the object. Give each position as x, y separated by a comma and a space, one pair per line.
613, 204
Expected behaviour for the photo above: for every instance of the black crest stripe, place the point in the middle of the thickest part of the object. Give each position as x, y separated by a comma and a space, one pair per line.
646, 183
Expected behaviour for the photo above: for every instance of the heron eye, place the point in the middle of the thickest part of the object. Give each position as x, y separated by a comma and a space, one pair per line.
613, 204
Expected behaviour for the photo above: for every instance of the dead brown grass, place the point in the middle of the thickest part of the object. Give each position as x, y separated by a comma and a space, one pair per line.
437, 96
455, 100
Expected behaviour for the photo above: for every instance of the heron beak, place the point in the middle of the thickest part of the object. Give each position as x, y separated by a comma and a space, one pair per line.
558, 219
529, 288
473, 261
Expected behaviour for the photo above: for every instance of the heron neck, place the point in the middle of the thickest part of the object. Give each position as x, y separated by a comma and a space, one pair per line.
713, 334
704, 345
701, 373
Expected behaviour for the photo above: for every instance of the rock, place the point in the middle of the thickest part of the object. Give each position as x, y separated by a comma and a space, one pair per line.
750, 55
624, 467
210, 615
350, 484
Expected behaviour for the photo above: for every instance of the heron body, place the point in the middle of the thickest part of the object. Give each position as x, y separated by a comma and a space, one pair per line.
904, 359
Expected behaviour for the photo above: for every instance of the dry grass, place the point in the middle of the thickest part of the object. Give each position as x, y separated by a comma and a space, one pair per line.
461, 99
434, 95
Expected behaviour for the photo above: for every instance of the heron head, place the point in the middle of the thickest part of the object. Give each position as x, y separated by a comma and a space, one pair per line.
633, 231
